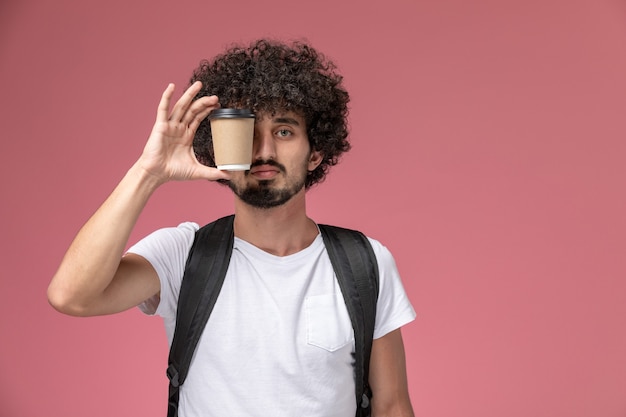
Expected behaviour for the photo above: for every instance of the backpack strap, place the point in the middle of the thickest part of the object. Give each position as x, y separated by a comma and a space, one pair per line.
356, 268
205, 271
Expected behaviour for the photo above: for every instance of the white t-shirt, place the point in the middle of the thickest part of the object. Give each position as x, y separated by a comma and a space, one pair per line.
279, 341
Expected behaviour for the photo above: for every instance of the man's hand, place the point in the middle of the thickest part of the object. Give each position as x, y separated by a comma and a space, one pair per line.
169, 155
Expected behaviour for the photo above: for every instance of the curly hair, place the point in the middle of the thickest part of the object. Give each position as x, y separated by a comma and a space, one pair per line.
269, 76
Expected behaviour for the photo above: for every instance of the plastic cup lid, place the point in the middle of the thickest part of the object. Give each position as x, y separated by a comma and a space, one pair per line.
231, 113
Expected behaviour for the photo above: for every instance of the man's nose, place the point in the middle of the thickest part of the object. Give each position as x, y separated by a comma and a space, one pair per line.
263, 146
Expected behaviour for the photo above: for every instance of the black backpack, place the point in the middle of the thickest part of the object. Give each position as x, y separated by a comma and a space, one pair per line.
354, 264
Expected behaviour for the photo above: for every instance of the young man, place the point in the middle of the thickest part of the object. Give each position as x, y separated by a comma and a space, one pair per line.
279, 341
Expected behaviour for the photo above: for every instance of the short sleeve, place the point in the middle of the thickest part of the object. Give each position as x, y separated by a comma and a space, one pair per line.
394, 308
167, 250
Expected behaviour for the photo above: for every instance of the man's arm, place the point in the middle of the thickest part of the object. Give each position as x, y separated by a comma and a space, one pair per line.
94, 278
390, 394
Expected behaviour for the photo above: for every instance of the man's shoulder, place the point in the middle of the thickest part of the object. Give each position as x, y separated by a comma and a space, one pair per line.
166, 238
183, 231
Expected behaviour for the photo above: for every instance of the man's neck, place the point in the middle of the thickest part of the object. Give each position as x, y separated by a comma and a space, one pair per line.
281, 231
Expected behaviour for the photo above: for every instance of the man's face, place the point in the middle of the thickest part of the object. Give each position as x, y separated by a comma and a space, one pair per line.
281, 159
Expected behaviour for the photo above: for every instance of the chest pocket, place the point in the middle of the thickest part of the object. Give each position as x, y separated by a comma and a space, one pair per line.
328, 323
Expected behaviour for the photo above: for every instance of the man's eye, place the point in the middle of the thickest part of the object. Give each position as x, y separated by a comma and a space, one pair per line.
283, 133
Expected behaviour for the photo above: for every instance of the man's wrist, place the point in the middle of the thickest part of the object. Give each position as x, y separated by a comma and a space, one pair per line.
143, 178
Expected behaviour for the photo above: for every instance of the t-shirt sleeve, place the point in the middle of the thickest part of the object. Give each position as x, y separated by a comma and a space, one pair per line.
167, 250
393, 309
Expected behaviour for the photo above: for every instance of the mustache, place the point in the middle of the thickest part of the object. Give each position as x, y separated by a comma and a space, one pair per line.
270, 162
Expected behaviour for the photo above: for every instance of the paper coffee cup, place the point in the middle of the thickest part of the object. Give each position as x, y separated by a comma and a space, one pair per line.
232, 131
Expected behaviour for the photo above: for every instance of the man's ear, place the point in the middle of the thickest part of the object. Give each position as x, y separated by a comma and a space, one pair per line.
315, 159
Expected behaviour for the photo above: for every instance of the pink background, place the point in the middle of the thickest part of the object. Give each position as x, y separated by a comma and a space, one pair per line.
489, 156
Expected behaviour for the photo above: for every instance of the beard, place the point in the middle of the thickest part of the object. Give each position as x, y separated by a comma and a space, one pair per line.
263, 194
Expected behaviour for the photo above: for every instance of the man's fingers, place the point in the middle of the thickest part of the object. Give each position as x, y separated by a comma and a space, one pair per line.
164, 105
182, 105
187, 113
199, 110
